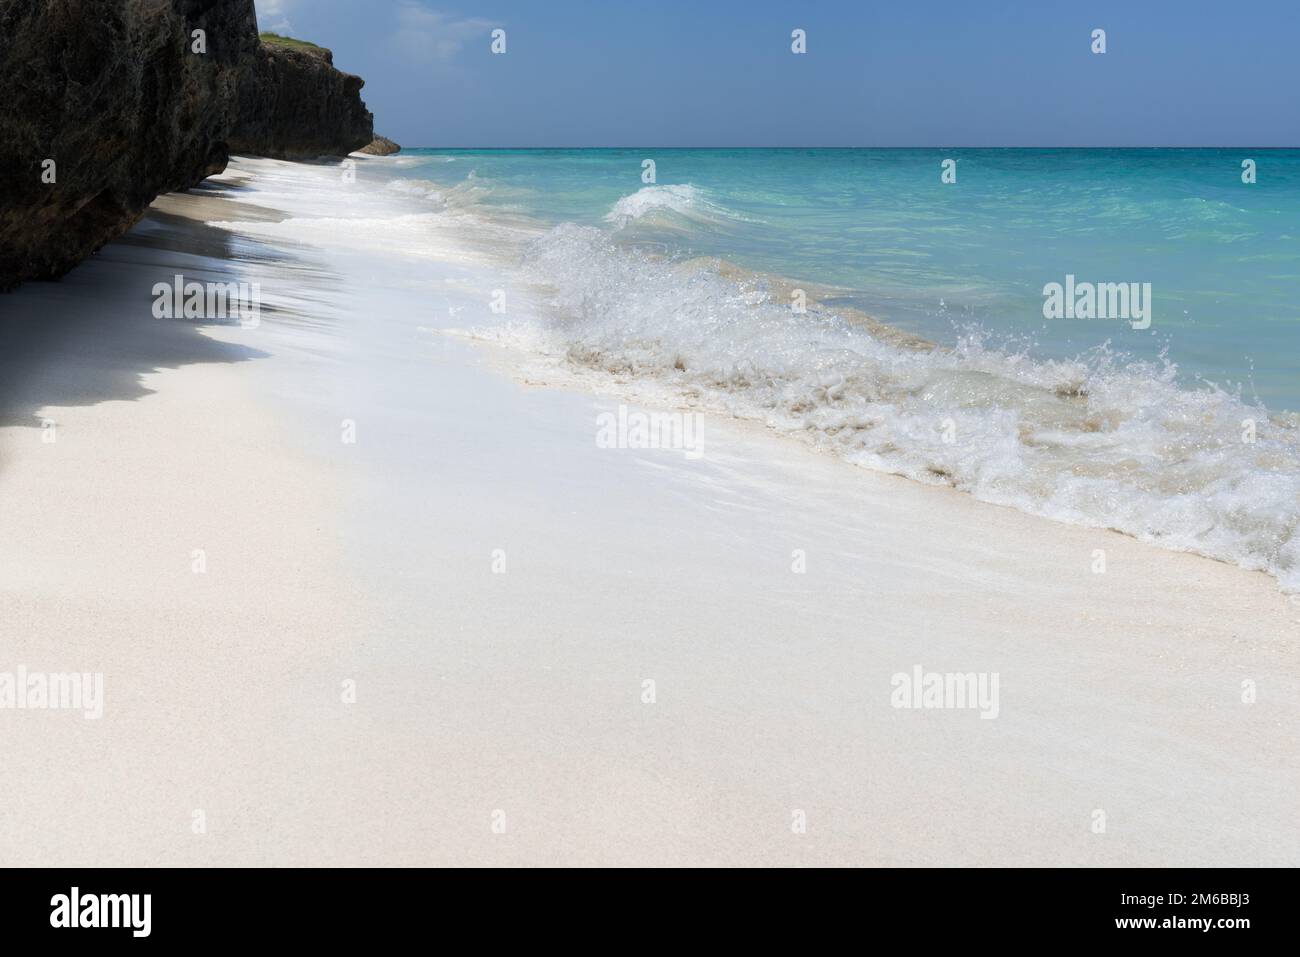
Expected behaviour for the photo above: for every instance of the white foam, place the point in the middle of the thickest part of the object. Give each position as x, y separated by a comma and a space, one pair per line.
680, 199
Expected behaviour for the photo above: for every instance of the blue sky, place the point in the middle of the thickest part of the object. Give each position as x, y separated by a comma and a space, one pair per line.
721, 73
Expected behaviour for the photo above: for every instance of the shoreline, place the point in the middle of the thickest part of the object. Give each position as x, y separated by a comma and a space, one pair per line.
522, 691
1101, 440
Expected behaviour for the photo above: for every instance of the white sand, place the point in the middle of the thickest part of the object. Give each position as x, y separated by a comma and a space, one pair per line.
522, 692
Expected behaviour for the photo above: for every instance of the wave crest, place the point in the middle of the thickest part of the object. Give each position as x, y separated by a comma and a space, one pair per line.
661, 203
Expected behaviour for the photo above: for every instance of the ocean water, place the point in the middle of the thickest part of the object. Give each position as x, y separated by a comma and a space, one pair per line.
923, 350
1222, 257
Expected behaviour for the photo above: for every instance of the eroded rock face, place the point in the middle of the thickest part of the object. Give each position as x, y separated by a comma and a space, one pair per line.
293, 104
112, 93
105, 104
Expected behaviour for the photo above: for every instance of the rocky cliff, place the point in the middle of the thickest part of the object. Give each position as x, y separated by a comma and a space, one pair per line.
294, 104
105, 104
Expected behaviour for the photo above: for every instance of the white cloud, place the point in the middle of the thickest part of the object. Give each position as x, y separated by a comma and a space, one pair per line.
272, 15
427, 35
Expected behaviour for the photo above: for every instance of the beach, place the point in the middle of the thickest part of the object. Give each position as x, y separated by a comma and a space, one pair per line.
365, 588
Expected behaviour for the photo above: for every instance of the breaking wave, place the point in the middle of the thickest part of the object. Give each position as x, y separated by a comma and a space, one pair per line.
661, 204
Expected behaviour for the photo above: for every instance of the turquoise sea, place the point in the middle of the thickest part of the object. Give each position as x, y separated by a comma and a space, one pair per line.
1222, 256
924, 349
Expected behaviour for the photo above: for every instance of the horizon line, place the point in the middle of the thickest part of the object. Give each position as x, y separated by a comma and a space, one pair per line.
1232, 146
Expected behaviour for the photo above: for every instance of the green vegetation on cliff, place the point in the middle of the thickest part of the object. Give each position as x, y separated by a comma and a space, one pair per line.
288, 41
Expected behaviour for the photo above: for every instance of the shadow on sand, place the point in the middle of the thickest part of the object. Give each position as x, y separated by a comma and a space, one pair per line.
91, 337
